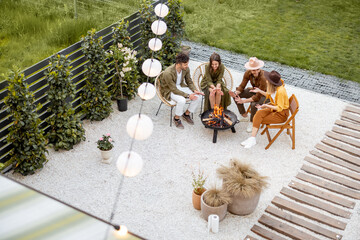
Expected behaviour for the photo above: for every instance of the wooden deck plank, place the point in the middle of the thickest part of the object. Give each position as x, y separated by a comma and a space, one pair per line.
306, 212
323, 195
311, 201
345, 119
342, 146
338, 153
329, 185
346, 131
350, 125
266, 233
332, 177
342, 138
335, 160
250, 238
303, 223
351, 116
333, 168
353, 109
284, 228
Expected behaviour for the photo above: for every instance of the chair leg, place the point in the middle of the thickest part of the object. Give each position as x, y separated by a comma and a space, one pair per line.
293, 136
171, 116
201, 107
158, 109
274, 138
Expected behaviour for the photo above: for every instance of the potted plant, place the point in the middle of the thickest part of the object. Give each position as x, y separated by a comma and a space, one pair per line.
125, 76
214, 201
244, 184
105, 144
198, 185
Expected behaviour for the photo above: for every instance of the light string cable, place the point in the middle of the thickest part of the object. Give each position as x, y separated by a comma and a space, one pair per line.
117, 227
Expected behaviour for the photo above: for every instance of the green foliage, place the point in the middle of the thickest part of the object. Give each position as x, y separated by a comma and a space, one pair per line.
175, 19
95, 96
321, 36
29, 143
121, 34
199, 180
147, 18
125, 80
105, 143
65, 126
167, 54
45, 27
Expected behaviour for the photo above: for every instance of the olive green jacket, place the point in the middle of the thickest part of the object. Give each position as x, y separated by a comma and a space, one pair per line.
168, 82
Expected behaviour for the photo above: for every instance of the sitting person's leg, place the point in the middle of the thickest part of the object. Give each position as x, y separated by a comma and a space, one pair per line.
245, 94
217, 99
179, 108
212, 98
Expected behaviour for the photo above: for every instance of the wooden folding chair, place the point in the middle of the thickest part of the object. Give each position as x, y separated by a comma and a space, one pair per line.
199, 74
289, 125
170, 103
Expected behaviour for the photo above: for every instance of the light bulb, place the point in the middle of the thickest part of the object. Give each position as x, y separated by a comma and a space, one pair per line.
155, 44
158, 27
139, 127
151, 67
146, 91
129, 164
161, 10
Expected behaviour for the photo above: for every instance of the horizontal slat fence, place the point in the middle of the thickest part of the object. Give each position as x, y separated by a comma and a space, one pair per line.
35, 78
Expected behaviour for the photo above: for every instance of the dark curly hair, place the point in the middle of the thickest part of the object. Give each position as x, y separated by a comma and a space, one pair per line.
182, 58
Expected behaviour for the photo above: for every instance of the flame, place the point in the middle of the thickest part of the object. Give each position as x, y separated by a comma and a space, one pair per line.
218, 111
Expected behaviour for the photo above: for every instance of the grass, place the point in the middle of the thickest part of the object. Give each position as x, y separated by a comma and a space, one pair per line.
33, 30
322, 36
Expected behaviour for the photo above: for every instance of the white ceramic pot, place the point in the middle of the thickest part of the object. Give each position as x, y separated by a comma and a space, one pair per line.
106, 156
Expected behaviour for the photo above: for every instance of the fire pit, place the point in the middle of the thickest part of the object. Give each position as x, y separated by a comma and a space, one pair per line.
219, 119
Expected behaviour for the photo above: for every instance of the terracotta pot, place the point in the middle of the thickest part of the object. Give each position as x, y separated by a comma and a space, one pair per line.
241, 205
196, 199
106, 156
186, 50
206, 210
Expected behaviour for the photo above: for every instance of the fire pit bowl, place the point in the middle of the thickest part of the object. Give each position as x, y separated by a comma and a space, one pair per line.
224, 124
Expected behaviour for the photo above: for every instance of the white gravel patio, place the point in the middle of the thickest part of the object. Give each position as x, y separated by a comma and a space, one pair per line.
156, 204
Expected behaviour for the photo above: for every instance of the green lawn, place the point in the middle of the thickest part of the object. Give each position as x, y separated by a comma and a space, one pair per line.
321, 35
33, 30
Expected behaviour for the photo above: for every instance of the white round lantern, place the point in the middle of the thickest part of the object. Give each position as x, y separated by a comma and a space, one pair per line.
146, 91
155, 44
151, 67
139, 126
161, 10
158, 27
129, 163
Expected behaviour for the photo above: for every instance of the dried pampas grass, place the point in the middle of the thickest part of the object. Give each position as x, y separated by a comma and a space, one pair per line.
241, 179
215, 197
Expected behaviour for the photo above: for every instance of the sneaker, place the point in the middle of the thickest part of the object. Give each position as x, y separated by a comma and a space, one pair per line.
243, 143
188, 119
249, 127
251, 142
178, 124
244, 119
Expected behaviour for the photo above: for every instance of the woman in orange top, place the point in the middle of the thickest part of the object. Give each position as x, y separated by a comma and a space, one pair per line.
277, 111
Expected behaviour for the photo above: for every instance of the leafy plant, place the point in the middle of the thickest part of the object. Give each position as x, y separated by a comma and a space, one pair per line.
65, 127
175, 19
241, 179
215, 197
95, 96
199, 180
147, 18
121, 34
105, 143
26, 136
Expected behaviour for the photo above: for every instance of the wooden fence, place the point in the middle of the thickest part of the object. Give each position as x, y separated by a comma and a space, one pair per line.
35, 78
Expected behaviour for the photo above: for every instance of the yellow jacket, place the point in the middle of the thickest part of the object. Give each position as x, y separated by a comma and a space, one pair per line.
281, 98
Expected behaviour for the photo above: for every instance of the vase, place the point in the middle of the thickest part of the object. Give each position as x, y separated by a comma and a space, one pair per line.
186, 50
207, 210
106, 156
241, 205
196, 199
122, 104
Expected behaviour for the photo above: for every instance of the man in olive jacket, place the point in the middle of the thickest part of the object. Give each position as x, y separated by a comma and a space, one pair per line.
177, 85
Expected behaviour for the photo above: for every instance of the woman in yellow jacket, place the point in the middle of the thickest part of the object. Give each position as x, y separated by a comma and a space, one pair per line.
277, 111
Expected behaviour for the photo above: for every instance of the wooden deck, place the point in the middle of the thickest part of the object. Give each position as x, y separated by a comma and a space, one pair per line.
320, 200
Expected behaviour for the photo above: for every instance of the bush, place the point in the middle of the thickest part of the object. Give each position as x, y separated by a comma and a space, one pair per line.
29, 143
95, 96
65, 127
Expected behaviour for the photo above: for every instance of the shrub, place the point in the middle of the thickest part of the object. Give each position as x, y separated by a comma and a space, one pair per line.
29, 143
215, 197
241, 179
121, 34
65, 127
95, 96
105, 142
198, 182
